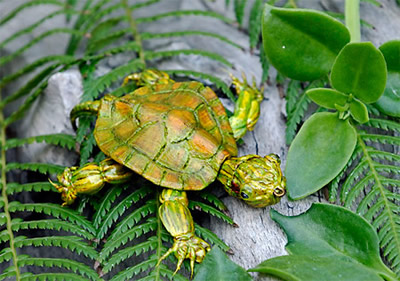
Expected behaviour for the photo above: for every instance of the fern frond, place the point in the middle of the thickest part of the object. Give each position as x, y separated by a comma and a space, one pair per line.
239, 7
86, 148
355, 174
209, 236
100, 84
371, 185
216, 81
53, 224
27, 88
6, 255
43, 168
295, 116
55, 211
19, 113
117, 211
185, 13
14, 187
147, 35
133, 218
166, 272
128, 252
384, 124
26, 5
149, 55
62, 140
76, 267
380, 139
129, 272
195, 205
210, 197
53, 277
99, 44
134, 232
254, 22
72, 243
59, 59
32, 27
5, 59
105, 204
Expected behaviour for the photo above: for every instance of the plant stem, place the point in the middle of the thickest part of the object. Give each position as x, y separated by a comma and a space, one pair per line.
4, 194
352, 19
135, 32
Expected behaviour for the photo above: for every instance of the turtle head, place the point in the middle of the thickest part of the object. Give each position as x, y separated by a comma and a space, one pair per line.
256, 180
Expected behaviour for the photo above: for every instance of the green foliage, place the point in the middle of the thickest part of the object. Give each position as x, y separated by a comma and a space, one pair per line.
361, 166
371, 184
389, 103
282, 31
322, 137
328, 239
120, 226
217, 266
349, 74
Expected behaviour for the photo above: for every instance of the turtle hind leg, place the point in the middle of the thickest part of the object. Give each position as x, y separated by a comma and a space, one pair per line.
88, 108
178, 221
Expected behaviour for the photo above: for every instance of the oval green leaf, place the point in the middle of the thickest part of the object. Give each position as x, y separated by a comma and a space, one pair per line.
389, 103
302, 44
327, 97
359, 111
319, 152
328, 242
391, 52
360, 69
217, 266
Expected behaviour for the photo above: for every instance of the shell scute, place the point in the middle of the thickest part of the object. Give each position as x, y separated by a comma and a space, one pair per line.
179, 123
174, 155
149, 139
202, 144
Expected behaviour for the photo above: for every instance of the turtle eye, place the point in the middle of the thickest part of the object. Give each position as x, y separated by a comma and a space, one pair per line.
279, 191
244, 195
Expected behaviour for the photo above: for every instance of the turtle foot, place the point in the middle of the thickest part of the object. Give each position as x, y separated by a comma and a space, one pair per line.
187, 247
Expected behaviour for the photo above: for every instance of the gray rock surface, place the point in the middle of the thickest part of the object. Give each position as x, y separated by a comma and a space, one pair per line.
50, 115
258, 237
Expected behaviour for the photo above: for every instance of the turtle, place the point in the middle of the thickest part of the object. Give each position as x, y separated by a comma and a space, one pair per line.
178, 136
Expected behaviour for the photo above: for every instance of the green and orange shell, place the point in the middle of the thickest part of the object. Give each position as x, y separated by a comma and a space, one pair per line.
176, 135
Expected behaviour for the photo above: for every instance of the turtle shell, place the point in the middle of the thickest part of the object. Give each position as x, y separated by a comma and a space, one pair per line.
176, 135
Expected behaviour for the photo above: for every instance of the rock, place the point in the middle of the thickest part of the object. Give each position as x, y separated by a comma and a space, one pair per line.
50, 115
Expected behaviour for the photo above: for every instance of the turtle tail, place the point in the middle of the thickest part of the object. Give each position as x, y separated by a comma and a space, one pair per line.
84, 109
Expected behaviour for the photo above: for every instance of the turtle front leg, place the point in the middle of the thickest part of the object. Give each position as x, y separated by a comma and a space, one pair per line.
89, 179
178, 221
247, 107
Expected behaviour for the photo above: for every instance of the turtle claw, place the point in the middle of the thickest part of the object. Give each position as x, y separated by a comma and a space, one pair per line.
187, 247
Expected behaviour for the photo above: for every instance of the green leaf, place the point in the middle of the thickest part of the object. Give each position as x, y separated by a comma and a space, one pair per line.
327, 97
309, 38
217, 266
389, 103
360, 69
319, 152
359, 111
328, 241
391, 52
